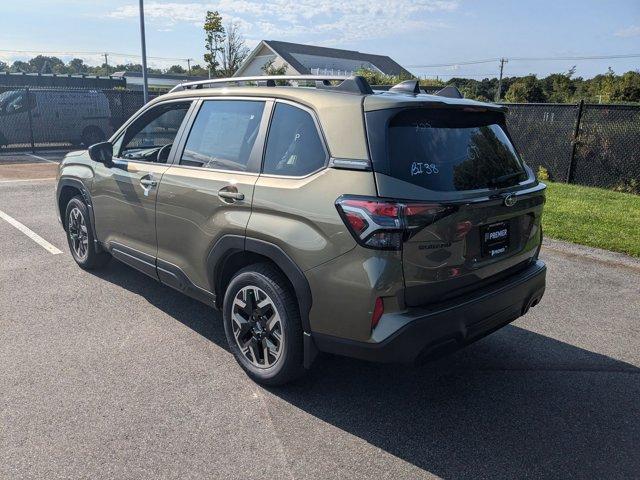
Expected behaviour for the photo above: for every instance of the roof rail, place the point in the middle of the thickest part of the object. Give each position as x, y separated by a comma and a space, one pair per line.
353, 84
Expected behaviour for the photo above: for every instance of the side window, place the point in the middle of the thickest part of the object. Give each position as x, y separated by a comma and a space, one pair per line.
223, 135
150, 136
294, 147
15, 101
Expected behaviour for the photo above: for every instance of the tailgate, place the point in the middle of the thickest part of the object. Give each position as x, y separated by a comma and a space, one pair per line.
473, 208
480, 242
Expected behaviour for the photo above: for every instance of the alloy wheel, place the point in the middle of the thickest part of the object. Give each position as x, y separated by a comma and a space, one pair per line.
78, 233
257, 327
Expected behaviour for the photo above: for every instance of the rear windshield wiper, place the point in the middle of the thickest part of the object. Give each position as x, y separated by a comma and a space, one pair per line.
504, 178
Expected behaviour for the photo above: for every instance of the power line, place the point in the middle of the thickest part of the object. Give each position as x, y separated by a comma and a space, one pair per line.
531, 59
587, 57
474, 75
470, 62
115, 54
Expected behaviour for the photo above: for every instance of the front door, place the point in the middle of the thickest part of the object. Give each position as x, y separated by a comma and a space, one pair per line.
14, 116
124, 196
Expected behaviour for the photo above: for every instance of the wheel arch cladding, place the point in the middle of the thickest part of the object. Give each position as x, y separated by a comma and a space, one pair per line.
233, 252
66, 190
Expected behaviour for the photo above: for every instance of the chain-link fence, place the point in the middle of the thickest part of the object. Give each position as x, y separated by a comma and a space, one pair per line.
588, 144
607, 151
48, 117
543, 133
597, 145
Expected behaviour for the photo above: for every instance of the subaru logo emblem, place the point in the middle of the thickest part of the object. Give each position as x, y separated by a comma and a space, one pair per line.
510, 200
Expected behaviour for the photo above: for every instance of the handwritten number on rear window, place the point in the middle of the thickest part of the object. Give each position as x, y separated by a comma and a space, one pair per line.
420, 168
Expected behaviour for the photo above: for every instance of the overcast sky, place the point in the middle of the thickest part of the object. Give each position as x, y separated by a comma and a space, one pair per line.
414, 33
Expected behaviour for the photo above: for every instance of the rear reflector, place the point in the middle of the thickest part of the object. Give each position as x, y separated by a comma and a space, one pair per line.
378, 310
385, 224
462, 228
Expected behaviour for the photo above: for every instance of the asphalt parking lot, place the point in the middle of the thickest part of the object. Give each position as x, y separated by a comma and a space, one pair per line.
111, 375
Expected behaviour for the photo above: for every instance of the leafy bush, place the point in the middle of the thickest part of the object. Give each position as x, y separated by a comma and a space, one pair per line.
543, 173
631, 185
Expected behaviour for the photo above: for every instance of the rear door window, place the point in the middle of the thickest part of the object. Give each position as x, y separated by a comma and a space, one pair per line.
452, 150
294, 147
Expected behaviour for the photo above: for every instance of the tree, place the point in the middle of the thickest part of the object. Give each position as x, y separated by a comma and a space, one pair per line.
77, 65
607, 90
214, 41
524, 90
176, 69
198, 71
628, 89
558, 87
3, 66
375, 77
45, 64
19, 67
234, 50
269, 69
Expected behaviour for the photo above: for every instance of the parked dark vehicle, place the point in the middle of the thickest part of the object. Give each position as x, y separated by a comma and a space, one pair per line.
388, 226
52, 116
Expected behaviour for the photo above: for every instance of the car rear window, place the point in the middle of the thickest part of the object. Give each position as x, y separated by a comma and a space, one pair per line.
452, 150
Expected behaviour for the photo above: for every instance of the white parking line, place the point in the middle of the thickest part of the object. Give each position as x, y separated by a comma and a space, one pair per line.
40, 158
28, 180
30, 233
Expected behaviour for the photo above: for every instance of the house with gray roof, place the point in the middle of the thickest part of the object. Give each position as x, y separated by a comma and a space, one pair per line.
156, 81
311, 60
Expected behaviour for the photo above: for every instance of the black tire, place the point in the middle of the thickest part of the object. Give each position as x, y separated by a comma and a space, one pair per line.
92, 135
87, 257
289, 364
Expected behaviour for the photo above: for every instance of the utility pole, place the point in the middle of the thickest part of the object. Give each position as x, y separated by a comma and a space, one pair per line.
145, 85
189, 67
106, 59
499, 91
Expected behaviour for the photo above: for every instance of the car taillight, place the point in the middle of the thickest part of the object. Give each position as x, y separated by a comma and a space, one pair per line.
420, 215
384, 224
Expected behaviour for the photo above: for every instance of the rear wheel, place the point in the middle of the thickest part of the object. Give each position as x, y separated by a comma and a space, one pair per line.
80, 236
262, 325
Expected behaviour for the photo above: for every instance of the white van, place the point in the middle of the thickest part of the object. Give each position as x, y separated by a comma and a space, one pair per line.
57, 116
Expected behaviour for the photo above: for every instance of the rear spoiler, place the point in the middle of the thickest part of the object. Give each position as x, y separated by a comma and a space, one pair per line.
450, 92
413, 87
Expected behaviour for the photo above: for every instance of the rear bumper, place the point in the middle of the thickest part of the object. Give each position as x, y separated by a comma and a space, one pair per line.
450, 325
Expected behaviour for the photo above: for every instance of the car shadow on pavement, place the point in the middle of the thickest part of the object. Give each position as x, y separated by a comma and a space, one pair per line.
515, 404
192, 313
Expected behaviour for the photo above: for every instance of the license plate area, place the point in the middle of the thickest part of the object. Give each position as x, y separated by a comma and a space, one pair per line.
494, 239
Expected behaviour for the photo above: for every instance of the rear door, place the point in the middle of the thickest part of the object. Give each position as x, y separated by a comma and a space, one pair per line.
473, 208
14, 116
208, 190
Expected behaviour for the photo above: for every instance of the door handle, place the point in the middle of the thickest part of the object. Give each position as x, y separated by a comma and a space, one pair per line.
148, 182
230, 193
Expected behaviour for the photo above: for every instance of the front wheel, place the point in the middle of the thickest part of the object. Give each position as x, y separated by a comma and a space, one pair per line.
92, 135
80, 236
262, 325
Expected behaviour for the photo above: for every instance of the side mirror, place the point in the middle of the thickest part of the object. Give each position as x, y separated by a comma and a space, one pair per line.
102, 153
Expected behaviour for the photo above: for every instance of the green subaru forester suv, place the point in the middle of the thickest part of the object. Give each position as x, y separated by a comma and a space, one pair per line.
318, 215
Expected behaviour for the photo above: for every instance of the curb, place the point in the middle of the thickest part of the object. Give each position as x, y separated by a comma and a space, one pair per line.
592, 253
